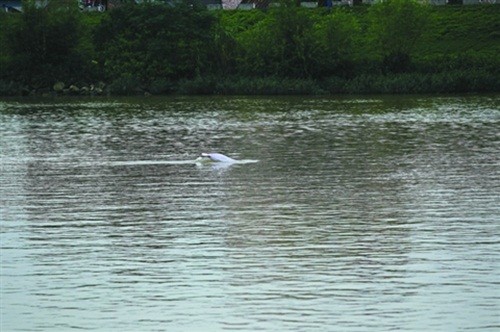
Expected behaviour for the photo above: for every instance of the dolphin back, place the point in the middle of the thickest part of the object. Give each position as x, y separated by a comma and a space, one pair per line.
218, 157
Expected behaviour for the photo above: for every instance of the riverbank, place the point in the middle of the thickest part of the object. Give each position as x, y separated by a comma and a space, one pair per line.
393, 47
438, 83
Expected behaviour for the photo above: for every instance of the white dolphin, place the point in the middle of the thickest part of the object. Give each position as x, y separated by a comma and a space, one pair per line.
218, 157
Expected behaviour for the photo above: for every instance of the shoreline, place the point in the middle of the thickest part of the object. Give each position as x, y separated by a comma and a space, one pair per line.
455, 82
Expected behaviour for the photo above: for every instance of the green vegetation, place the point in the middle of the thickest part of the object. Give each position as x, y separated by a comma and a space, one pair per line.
396, 46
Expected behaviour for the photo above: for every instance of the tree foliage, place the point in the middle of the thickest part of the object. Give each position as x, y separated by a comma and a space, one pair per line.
46, 44
160, 48
296, 42
338, 36
281, 44
396, 26
153, 41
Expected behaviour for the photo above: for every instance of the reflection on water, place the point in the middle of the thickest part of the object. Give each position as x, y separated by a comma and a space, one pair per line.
361, 214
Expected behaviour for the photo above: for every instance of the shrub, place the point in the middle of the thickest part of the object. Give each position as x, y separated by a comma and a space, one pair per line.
125, 85
338, 35
11, 88
395, 27
46, 45
161, 86
282, 44
269, 86
153, 41
197, 86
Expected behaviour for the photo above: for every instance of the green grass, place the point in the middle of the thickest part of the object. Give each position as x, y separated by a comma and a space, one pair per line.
457, 29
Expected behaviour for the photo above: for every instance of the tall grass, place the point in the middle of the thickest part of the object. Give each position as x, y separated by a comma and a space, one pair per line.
458, 81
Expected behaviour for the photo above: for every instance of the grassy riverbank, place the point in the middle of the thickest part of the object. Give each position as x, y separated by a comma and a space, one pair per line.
393, 47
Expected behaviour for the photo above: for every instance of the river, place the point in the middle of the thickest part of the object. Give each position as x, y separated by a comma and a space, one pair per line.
370, 213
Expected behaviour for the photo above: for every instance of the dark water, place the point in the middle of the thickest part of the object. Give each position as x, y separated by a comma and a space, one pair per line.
372, 214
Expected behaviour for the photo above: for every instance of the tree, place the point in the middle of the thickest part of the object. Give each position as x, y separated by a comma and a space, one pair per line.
282, 44
155, 41
337, 35
395, 27
44, 44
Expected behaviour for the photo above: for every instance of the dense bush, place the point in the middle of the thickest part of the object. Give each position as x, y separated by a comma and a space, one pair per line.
269, 86
11, 88
126, 84
282, 44
395, 27
45, 45
338, 36
154, 41
395, 46
445, 82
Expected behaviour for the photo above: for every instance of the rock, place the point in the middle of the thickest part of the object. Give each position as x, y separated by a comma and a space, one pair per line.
74, 89
58, 87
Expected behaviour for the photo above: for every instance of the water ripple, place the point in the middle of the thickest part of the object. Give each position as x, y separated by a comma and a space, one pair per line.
361, 214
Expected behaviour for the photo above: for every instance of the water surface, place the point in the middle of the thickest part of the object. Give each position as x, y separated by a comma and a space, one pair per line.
361, 214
